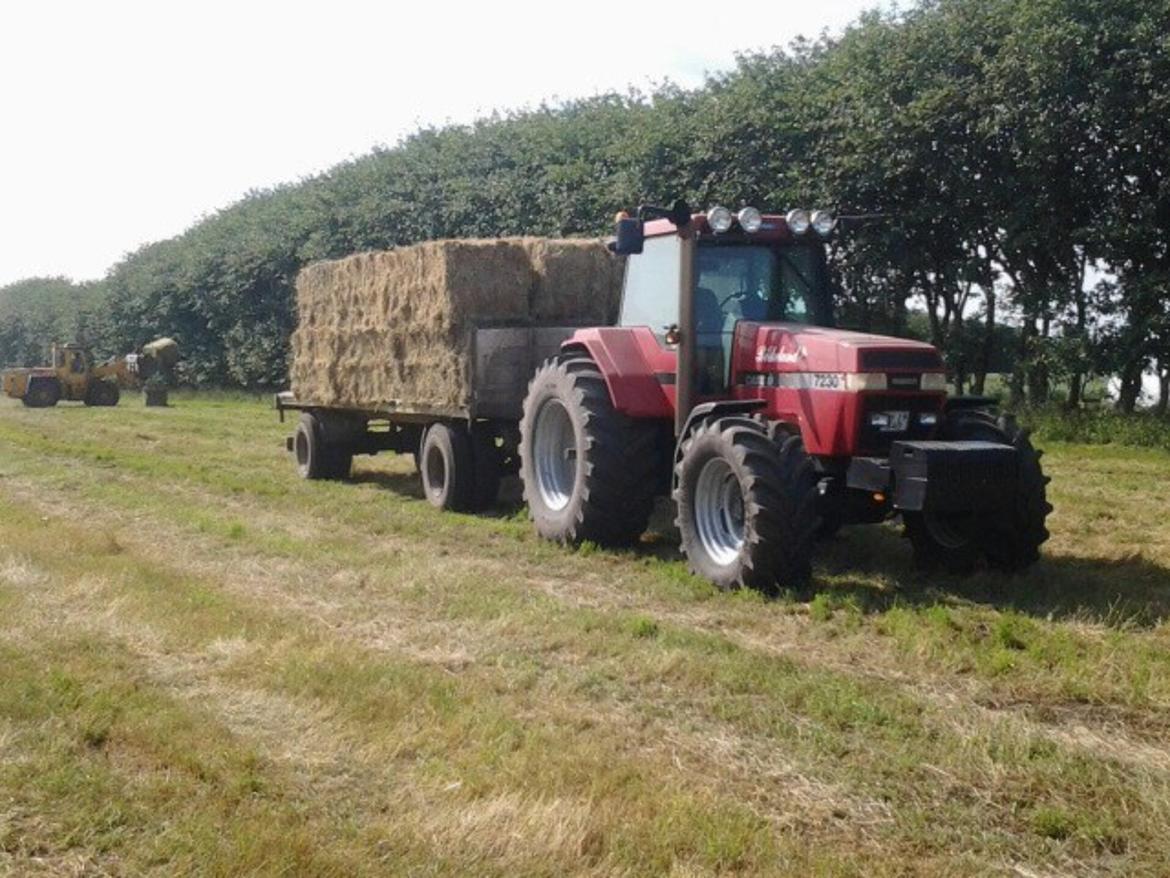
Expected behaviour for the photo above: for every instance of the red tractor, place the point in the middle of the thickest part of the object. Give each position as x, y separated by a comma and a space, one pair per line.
726, 384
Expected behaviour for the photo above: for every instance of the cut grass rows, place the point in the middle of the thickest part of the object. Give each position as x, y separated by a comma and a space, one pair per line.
605, 712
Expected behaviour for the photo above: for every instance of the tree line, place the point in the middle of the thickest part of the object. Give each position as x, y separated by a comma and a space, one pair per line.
1017, 153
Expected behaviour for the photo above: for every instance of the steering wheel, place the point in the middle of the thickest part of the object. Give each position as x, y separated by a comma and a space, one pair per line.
742, 295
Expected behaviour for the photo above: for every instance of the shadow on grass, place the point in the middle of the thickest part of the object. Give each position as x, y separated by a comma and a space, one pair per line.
872, 566
409, 484
875, 567
405, 484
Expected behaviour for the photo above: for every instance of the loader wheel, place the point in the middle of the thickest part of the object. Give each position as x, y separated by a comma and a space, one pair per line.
103, 393
316, 459
747, 506
1007, 539
588, 471
42, 394
447, 464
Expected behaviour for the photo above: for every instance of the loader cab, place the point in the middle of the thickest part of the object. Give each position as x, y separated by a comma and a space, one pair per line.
70, 359
767, 275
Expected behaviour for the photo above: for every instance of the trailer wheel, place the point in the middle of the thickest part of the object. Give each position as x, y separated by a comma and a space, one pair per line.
447, 464
1007, 539
315, 458
42, 393
338, 463
588, 471
746, 506
487, 460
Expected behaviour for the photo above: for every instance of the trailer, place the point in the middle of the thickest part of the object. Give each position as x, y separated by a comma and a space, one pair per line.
461, 452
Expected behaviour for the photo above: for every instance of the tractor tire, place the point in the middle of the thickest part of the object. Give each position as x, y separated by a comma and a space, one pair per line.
42, 394
103, 393
315, 458
1008, 539
747, 506
447, 464
589, 472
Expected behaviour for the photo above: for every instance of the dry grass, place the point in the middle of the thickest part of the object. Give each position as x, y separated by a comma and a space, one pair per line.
213, 667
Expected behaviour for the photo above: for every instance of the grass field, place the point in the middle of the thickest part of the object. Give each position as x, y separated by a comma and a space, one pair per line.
212, 667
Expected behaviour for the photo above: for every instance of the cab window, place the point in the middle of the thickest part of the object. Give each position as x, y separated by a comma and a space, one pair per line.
650, 295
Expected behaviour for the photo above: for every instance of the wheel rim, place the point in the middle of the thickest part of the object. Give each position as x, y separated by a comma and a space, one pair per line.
949, 533
435, 472
719, 512
554, 452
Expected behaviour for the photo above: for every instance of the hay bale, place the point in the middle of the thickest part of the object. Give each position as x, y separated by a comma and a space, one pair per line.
395, 326
578, 281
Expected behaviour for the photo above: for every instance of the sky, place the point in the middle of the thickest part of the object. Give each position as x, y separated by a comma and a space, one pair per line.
125, 122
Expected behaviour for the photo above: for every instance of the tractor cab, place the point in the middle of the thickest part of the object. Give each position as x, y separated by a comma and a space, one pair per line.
751, 269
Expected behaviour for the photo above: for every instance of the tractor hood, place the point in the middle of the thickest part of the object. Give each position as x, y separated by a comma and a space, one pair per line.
797, 347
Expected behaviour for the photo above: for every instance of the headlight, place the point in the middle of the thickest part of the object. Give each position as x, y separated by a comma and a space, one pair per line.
750, 220
934, 381
797, 221
879, 419
823, 222
865, 381
719, 219
928, 419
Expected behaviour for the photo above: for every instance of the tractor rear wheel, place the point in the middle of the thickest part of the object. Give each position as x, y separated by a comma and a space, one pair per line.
1007, 539
746, 506
42, 393
589, 472
316, 458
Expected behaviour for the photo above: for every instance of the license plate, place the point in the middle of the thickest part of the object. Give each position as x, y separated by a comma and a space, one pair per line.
899, 422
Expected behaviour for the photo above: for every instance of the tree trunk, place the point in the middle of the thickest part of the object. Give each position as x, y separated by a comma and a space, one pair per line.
1076, 389
1076, 383
1163, 390
1023, 361
979, 382
1131, 385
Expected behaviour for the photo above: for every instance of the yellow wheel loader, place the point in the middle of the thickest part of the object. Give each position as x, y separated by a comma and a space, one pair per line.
72, 375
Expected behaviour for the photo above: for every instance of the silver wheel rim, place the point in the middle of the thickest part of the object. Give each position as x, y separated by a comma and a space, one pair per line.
719, 512
554, 453
434, 472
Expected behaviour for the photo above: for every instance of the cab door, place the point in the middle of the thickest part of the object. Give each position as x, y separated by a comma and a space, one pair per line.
650, 300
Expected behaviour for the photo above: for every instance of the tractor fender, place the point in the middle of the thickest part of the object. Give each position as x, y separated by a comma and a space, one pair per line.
623, 356
708, 411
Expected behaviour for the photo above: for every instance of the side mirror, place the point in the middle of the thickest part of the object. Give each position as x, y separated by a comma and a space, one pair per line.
628, 237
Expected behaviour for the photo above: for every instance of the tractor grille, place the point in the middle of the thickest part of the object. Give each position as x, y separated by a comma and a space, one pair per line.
874, 440
915, 358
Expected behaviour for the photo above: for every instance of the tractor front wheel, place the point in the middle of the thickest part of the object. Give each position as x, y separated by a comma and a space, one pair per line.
1007, 539
589, 472
746, 506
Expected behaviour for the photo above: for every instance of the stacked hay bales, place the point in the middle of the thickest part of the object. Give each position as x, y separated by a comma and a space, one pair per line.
395, 327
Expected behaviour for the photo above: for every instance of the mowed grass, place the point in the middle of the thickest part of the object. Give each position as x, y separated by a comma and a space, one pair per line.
211, 667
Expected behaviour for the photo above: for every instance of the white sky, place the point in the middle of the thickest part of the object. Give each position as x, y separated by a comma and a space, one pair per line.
123, 122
